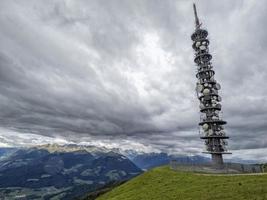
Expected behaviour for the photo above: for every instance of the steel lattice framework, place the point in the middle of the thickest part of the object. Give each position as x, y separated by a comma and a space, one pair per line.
207, 92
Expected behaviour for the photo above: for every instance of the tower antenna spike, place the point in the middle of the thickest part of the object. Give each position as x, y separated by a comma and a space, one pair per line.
196, 17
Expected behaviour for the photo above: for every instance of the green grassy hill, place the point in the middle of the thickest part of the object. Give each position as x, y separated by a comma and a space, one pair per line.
165, 184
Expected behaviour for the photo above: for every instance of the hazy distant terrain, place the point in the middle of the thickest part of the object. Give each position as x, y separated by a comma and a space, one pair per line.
151, 160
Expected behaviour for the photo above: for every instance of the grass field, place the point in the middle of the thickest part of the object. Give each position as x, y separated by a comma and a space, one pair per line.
165, 184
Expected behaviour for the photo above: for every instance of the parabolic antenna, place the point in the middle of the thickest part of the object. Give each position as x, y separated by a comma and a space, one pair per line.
202, 47
212, 78
218, 86
206, 91
205, 127
199, 87
210, 131
201, 106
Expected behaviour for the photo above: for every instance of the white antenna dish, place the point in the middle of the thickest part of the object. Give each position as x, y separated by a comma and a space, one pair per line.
218, 86
202, 47
205, 127
206, 91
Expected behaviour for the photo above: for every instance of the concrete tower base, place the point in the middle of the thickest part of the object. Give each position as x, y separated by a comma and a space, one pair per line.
217, 159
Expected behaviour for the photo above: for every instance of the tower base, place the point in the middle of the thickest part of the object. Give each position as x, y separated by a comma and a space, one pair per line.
217, 159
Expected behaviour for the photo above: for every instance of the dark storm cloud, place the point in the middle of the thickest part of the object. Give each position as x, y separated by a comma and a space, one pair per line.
122, 72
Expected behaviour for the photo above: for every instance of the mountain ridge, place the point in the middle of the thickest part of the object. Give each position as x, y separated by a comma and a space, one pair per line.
61, 173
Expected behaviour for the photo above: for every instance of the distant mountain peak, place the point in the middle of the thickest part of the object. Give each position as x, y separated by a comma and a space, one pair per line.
71, 148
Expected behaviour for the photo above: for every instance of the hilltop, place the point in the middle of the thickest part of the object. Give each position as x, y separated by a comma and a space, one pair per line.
162, 183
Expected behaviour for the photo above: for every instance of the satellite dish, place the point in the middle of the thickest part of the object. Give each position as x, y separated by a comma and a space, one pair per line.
215, 91
205, 127
202, 47
206, 91
212, 78
199, 87
218, 86
210, 132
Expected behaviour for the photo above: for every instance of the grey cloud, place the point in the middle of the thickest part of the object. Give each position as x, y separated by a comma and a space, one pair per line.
123, 70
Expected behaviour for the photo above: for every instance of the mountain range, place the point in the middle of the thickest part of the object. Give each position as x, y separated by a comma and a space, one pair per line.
147, 161
61, 172
69, 171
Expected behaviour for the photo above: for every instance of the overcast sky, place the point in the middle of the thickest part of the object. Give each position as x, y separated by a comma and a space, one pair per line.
121, 73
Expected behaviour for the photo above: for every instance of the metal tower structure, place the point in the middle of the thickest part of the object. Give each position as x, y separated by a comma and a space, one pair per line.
207, 87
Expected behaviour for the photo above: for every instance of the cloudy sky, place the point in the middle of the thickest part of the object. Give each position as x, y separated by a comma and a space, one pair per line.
120, 73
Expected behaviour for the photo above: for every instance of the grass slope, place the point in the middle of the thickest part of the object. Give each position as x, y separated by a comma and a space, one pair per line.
165, 184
